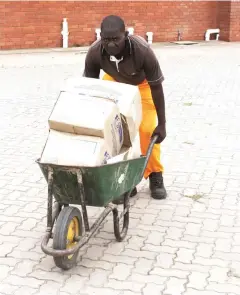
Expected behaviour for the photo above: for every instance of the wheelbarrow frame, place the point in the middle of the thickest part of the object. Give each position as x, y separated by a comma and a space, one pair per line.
53, 211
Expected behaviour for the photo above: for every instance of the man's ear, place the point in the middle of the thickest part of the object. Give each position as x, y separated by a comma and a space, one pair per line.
126, 34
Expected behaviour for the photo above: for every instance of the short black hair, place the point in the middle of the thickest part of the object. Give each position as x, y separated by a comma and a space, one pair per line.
113, 22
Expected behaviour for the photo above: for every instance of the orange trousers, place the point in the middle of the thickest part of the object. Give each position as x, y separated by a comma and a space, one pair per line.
148, 124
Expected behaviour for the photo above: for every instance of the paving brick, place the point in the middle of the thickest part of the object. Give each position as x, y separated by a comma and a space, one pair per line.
155, 238
25, 290
6, 248
8, 228
7, 289
153, 289
119, 259
223, 288
200, 239
149, 278
169, 272
28, 224
202, 292
143, 266
46, 275
135, 243
218, 274
165, 260
25, 255
73, 284
192, 267
175, 286
121, 272
177, 244
94, 252
200, 155
193, 229
125, 286
4, 270
159, 249
102, 291
24, 268
19, 281
205, 250
99, 277
210, 261
184, 255
87, 263
197, 280
223, 245
139, 254
174, 233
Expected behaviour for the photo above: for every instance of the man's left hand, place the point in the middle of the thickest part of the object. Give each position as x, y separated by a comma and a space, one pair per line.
160, 131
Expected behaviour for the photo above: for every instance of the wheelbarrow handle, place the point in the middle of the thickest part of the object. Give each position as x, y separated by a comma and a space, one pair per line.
149, 151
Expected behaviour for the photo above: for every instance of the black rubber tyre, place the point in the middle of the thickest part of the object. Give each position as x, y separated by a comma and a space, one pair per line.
69, 225
120, 234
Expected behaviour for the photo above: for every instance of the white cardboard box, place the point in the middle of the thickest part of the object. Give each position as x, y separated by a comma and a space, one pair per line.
85, 115
74, 150
127, 97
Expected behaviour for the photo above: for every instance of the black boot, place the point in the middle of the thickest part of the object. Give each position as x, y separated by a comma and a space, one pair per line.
120, 200
157, 188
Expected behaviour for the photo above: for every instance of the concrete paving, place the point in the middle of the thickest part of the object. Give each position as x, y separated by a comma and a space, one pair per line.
188, 244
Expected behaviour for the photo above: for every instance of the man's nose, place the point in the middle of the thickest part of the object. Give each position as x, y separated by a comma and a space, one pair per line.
111, 44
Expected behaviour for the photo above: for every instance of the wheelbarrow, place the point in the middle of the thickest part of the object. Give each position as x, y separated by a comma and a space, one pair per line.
87, 186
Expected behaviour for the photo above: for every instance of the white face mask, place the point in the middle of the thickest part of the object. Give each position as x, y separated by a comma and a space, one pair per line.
117, 61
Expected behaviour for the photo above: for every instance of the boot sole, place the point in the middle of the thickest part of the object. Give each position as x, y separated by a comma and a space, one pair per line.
157, 197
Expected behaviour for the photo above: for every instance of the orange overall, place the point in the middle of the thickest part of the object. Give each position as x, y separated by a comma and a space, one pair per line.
148, 124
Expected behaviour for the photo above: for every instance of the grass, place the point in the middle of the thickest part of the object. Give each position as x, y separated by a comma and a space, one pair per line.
194, 197
188, 104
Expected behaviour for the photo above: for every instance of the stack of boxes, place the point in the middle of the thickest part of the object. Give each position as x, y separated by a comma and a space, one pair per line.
94, 122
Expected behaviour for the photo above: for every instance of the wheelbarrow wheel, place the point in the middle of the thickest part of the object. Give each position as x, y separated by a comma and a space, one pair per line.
68, 226
120, 234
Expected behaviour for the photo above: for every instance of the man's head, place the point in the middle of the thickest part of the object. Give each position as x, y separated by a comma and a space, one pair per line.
113, 34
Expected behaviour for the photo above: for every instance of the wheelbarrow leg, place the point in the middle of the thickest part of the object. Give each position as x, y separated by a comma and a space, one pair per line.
83, 203
50, 199
120, 234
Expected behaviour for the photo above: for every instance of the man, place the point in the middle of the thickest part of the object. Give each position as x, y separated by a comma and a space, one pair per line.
129, 59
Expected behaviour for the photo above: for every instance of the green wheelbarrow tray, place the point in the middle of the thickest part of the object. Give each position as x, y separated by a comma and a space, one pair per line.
87, 186
101, 184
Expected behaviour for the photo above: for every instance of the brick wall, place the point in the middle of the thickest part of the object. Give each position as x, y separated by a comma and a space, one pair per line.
223, 19
37, 24
235, 22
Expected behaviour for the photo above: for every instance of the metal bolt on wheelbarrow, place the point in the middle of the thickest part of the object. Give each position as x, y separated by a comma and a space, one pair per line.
87, 186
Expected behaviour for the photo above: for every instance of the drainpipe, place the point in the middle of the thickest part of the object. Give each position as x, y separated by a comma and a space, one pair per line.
131, 31
65, 33
149, 37
98, 31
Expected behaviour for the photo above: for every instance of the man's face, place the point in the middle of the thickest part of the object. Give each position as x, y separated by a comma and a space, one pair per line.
113, 41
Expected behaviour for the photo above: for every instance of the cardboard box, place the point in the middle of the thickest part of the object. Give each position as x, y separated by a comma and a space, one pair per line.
74, 150
128, 153
85, 115
127, 97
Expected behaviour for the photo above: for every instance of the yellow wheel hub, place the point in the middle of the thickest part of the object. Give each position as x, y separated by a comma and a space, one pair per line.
73, 231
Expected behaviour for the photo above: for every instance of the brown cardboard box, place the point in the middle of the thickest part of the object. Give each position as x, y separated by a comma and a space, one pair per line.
127, 98
69, 149
85, 115
128, 153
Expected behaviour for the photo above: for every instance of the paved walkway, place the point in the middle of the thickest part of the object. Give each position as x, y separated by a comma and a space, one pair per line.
188, 244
